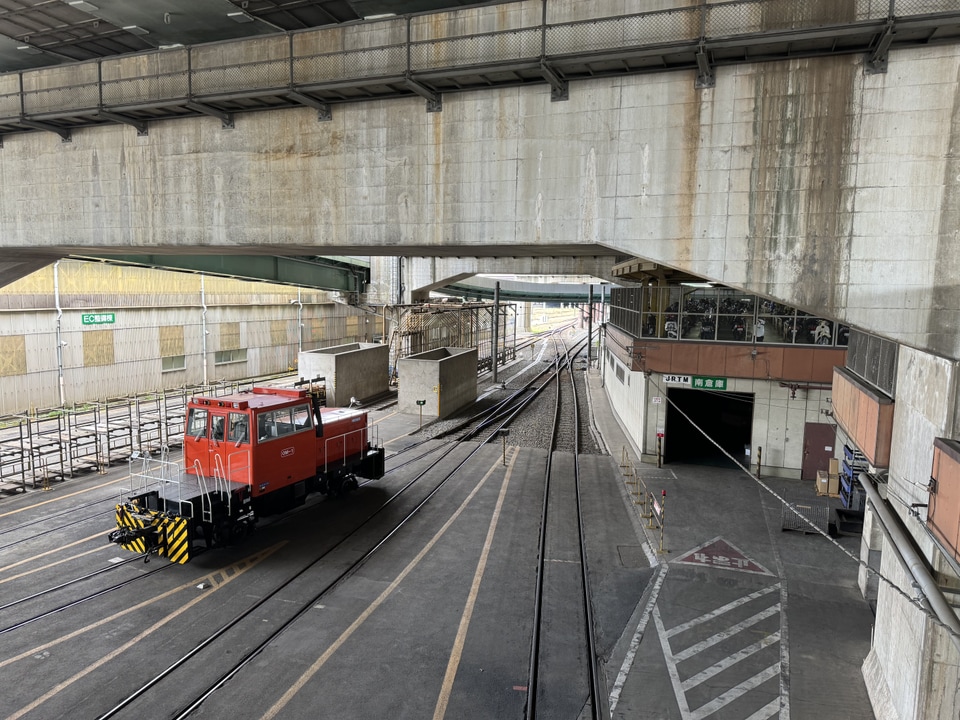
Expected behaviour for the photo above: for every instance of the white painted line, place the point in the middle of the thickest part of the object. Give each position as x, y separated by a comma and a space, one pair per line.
733, 693
784, 648
672, 668
721, 610
637, 637
728, 633
648, 551
730, 661
767, 711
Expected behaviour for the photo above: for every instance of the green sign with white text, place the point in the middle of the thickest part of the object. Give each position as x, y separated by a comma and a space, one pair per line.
98, 318
701, 382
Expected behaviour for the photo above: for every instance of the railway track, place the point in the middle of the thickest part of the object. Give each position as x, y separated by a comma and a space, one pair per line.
561, 509
438, 468
372, 547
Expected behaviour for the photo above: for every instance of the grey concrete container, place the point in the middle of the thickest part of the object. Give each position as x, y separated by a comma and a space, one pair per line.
445, 379
354, 370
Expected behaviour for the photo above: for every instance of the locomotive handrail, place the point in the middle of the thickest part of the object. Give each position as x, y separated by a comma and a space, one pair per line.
343, 438
206, 507
220, 480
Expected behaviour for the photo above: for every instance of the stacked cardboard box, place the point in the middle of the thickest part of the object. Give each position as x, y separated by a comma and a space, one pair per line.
828, 481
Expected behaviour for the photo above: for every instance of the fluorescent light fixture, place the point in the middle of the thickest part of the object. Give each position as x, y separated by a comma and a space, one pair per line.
170, 47
29, 49
83, 5
698, 284
135, 30
240, 17
381, 16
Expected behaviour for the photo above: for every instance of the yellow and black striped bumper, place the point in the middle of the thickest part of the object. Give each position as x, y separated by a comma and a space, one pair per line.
155, 532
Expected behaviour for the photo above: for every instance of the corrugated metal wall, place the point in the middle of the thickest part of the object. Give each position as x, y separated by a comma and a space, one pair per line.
119, 323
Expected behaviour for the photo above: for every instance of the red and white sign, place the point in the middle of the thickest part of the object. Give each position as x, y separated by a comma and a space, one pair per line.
719, 553
287, 452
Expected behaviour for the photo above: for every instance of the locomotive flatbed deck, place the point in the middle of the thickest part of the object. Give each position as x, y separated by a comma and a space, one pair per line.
188, 487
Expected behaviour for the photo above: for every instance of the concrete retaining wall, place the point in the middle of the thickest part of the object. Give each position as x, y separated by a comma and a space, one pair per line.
446, 378
356, 370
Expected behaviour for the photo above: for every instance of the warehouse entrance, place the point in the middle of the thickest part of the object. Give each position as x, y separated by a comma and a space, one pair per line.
727, 417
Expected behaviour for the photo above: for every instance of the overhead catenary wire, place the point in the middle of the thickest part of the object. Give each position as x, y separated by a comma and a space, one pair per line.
917, 602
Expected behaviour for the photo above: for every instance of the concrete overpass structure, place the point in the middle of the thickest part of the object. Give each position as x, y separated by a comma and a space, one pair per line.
804, 151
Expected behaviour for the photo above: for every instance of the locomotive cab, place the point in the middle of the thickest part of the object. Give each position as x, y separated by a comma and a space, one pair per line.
248, 454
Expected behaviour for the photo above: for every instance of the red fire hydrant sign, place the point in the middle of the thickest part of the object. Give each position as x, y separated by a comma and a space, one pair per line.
718, 553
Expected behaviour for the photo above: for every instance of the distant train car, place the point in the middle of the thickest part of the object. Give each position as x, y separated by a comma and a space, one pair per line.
245, 455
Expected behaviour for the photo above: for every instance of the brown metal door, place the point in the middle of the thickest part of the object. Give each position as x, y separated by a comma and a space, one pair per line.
818, 447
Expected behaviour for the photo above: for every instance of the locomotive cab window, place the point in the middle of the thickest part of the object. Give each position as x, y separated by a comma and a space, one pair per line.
239, 430
217, 423
197, 423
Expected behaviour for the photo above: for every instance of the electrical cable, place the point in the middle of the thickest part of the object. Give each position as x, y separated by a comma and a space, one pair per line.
915, 602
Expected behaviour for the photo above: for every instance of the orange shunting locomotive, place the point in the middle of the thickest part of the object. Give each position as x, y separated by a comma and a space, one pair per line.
244, 455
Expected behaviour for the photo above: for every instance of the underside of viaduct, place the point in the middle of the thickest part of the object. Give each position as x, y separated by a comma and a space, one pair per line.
808, 181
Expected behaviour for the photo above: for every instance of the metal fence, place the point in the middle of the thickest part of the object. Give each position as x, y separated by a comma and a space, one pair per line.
172, 75
53, 445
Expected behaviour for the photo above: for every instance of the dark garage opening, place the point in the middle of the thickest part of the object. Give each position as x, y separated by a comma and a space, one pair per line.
725, 416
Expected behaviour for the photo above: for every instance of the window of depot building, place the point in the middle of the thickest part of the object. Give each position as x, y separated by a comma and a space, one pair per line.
699, 311
225, 357
174, 363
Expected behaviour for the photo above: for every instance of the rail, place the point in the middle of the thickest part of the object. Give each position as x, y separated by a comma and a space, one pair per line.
410, 55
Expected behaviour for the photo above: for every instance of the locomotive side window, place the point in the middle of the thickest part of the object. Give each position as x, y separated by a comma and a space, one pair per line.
197, 423
239, 432
302, 417
284, 421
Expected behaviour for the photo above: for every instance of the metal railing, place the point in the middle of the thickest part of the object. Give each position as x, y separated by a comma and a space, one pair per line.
177, 75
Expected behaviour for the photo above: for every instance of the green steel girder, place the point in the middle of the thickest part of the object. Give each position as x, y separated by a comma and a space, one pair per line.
508, 295
314, 272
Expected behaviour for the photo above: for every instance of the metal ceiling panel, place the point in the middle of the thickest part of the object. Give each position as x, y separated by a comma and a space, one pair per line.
64, 30
300, 14
11, 58
184, 22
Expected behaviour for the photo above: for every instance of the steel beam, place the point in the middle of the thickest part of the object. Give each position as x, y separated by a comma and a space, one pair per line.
225, 117
559, 89
877, 59
140, 125
705, 76
64, 133
303, 272
434, 99
324, 111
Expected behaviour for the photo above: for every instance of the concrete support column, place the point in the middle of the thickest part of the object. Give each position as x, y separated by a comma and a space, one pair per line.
589, 325
495, 330
871, 544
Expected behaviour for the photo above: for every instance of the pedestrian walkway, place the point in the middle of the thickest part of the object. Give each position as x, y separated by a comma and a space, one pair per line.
743, 620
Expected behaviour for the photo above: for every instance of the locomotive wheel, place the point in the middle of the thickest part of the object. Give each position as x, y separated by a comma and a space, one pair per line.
221, 533
350, 484
240, 531
334, 487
